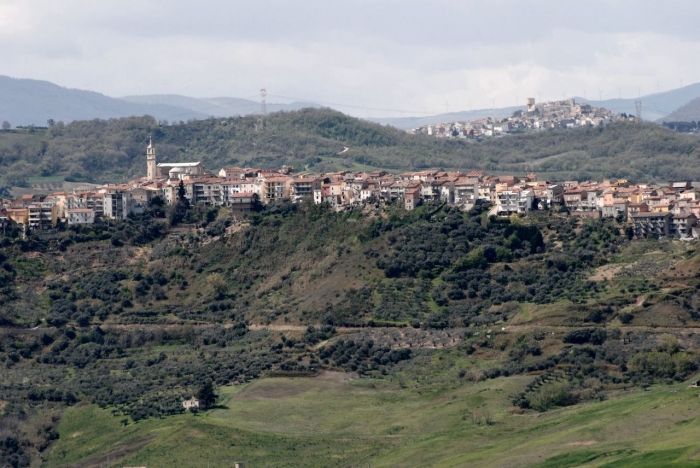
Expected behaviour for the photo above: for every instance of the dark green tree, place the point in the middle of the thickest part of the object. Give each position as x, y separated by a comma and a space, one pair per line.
181, 208
207, 395
257, 205
182, 195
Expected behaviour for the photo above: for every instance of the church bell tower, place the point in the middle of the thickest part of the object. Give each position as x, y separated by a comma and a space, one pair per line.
151, 160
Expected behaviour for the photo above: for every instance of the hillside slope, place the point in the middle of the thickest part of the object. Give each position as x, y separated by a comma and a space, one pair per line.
361, 423
313, 139
456, 318
689, 112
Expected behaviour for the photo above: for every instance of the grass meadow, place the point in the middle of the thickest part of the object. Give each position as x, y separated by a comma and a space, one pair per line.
329, 422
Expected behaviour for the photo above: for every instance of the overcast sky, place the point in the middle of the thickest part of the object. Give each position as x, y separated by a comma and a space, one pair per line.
379, 55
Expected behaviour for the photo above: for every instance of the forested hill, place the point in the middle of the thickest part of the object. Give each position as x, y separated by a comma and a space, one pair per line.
690, 112
315, 140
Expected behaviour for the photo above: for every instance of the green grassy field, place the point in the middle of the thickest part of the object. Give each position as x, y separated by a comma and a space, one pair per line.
328, 421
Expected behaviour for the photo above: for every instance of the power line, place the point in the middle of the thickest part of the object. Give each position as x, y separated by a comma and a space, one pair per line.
657, 110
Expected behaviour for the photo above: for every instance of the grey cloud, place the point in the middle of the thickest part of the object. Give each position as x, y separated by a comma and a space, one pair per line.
391, 53
406, 22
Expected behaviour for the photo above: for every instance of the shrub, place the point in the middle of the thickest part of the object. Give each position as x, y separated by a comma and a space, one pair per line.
551, 395
595, 336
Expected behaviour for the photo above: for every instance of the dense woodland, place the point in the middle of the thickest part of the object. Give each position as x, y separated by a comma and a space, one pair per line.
136, 315
311, 139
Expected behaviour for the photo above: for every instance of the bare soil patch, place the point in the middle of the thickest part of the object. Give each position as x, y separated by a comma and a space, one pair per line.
138, 253
606, 272
274, 327
332, 376
584, 443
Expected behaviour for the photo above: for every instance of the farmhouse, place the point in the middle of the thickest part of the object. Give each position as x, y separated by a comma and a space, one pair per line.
191, 403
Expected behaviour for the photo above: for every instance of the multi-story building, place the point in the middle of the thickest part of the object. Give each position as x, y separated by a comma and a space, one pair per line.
117, 204
207, 191
466, 190
275, 188
304, 187
515, 201
90, 200
681, 225
80, 216
42, 216
651, 224
242, 203
617, 207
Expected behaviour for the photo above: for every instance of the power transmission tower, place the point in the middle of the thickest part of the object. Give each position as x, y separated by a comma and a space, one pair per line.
638, 108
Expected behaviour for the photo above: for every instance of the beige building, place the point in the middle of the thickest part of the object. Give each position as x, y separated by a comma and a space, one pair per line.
18, 215
275, 188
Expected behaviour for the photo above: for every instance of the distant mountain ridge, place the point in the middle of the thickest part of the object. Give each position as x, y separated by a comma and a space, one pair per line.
655, 107
26, 102
33, 102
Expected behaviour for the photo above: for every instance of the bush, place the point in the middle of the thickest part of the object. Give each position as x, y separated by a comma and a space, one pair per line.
626, 317
595, 336
551, 395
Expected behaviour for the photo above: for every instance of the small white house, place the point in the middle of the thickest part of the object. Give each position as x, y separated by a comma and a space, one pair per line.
191, 403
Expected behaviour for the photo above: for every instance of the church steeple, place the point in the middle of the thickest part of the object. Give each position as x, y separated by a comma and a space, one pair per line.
151, 170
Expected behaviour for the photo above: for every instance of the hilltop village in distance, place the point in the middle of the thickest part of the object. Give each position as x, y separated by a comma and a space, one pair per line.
548, 115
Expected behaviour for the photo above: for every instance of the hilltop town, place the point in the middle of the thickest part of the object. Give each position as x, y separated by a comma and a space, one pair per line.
651, 209
564, 114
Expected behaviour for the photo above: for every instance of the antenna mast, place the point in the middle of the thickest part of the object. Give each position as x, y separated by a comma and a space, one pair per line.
263, 104
638, 108
263, 110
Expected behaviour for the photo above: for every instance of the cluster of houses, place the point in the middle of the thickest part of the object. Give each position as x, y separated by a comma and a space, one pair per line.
653, 210
670, 210
557, 114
